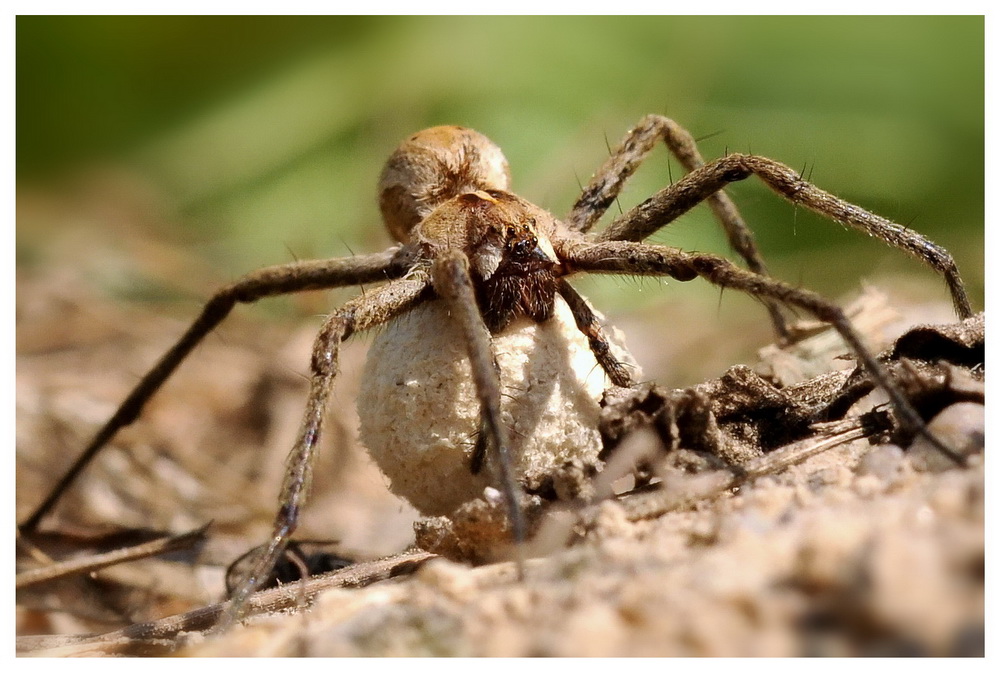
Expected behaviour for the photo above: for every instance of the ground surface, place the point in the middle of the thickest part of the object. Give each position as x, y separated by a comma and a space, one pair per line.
859, 550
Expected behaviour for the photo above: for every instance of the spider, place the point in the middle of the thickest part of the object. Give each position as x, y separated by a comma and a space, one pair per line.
490, 260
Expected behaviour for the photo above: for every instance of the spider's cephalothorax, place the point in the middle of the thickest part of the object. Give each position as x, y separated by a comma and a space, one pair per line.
506, 239
445, 188
475, 265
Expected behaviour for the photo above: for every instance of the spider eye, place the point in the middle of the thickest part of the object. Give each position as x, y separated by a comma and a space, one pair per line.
524, 247
511, 232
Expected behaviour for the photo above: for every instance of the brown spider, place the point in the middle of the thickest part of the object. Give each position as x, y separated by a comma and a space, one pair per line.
491, 259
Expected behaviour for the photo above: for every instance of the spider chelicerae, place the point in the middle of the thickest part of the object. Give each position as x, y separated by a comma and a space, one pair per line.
490, 261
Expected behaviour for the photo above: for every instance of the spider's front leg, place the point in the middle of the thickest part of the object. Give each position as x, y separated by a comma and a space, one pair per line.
453, 283
267, 282
590, 326
627, 257
362, 313
607, 183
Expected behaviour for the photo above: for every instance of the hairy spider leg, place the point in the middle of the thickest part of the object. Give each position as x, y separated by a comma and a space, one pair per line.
670, 203
645, 259
591, 328
267, 282
453, 283
359, 314
607, 183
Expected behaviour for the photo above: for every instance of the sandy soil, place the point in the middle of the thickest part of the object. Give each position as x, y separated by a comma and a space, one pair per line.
861, 550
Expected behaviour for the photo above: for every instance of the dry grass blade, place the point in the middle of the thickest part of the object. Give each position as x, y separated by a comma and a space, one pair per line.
79, 566
166, 635
677, 491
687, 490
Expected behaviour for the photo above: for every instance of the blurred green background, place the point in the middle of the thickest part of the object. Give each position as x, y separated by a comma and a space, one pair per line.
253, 140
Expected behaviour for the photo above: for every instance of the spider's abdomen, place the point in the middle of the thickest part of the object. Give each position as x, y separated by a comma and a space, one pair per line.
435, 165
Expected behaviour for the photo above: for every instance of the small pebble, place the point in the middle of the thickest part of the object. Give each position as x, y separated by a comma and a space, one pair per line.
962, 427
884, 462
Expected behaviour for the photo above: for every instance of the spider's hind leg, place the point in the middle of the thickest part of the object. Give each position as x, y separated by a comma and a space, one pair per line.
605, 186
644, 259
703, 183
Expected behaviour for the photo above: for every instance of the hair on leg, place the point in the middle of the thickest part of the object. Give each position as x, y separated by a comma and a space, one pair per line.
668, 204
645, 259
607, 183
361, 313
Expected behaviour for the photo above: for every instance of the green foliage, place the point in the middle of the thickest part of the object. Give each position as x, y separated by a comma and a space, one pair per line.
267, 133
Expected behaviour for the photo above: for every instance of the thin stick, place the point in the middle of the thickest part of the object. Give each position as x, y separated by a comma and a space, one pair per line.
164, 635
651, 504
79, 566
